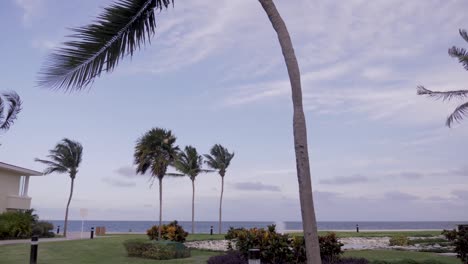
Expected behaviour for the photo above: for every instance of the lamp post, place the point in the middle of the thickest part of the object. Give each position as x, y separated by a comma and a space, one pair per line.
34, 247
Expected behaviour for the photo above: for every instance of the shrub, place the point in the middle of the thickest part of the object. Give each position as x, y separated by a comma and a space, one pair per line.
173, 232
279, 248
460, 241
16, 225
43, 229
330, 247
399, 241
232, 233
161, 250
232, 257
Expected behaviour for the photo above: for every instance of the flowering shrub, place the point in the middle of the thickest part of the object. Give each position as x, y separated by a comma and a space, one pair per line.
173, 232
279, 248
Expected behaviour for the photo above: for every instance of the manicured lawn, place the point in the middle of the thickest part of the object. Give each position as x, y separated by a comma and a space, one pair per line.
395, 255
386, 233
101, 250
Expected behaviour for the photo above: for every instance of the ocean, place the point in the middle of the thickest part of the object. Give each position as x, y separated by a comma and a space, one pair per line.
204, 226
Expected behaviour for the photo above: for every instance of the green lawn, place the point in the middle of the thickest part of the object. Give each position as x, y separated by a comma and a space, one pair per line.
101, 250
109, 250
386, 233
396, 255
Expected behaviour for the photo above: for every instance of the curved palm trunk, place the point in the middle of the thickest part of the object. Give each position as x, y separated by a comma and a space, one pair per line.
160, 209
193, 206
221, 203
300, 135
68, 205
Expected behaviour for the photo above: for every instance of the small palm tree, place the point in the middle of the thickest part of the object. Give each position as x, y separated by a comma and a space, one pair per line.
64, 158
219, 160
190, 163
10, 106
462, 110
155, 151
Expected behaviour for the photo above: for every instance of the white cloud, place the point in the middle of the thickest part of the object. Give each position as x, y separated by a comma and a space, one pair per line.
31, 8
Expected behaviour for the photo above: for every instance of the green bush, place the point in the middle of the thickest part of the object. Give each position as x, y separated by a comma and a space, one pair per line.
460, 241
43, 229
399, 241
16, 225
173, 232
279, 248
161, 250
330, 247
232, 233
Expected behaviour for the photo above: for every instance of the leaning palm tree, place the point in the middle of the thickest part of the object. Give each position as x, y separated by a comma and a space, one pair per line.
190, 163
219, 160
64, 158
123, 28
155, 151
10, 106
462, 110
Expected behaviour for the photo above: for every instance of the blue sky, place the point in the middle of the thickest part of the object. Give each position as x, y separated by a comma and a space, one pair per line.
214, 73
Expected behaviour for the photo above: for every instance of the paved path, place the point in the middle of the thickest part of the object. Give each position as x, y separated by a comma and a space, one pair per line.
70, 236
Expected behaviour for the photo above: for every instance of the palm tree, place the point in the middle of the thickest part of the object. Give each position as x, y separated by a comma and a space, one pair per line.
10, 106
155, 151
462, 110
127, 25
219, 160
64, 158
190, 163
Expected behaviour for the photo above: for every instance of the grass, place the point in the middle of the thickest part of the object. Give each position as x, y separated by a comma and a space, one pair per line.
383, 233
395, 255
106, 250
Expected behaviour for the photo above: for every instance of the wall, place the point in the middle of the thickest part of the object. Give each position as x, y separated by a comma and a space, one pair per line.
9, 185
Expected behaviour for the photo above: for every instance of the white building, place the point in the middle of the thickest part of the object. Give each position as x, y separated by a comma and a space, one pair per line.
14, 184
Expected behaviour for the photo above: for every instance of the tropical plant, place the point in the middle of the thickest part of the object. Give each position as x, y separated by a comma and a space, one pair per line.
10, 106
64, 158
155, 151
219, 160
190, 163
123, 28
172, 231
462, 110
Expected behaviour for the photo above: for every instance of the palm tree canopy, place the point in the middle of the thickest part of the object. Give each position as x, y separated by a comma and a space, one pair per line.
462, 110
189, 162
10, 106
64, 158
120, 30
219, 159
155, 151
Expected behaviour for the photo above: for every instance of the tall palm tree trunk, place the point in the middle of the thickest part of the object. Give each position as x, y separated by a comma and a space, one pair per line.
221, 204
193, 206
68, 205
300, 134
160, 209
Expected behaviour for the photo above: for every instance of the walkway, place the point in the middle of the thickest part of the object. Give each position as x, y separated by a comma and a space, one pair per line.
71, 236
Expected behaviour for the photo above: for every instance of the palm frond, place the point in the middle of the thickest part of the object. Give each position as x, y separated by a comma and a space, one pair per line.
65, 157
461, 54
120, 30
14, 107
447, 95
457, 115
463, 34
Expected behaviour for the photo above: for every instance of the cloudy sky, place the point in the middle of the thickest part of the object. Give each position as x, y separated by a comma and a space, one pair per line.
214, 73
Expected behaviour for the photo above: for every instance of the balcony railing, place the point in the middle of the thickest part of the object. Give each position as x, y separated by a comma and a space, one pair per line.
18, 202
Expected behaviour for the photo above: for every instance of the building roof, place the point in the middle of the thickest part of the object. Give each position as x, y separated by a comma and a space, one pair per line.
20, 170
